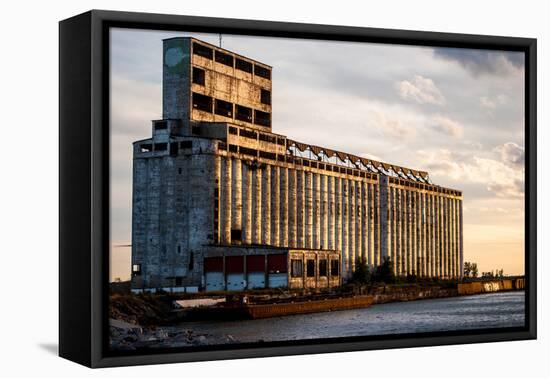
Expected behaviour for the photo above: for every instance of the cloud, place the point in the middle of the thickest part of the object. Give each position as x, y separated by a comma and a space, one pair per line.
483, 62
421, 90
490, 104
512, 154
392, 126
496, 177
447, 126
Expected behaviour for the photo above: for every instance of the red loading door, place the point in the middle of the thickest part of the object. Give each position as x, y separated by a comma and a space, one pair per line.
277, 263
234, 268
255, 263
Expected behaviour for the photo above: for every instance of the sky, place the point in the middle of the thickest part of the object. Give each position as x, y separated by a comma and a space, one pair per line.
457, 113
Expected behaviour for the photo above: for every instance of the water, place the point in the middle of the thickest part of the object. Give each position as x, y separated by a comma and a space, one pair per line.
459, 313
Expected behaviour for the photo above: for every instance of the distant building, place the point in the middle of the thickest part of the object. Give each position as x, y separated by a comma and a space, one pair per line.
222, 203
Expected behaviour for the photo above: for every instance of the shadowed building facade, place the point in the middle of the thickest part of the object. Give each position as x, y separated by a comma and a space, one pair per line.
220, 202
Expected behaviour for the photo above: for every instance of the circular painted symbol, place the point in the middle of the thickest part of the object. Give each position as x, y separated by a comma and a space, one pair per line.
173, 56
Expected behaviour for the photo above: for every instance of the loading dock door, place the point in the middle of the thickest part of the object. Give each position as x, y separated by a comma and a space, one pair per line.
213, 274
277, 267
255, 266
214, 281
234, 267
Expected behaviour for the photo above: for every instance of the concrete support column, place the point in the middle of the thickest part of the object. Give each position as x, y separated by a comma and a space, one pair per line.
324, 211
284, 216
440, 236
316, 200
301, 209
372, 261
377, 228
266, 203
406, 232
451, 239
217, 204
257, 208
275, 204
331, 210
393, 228
365, 222
351, 233
398, 232
226, 200
345, 228
461, 238
414, 236
457, 243
236, 197
422, 217
338, 214
433, 235
309, 210
445, 230
292, 208
359, 221
247, 205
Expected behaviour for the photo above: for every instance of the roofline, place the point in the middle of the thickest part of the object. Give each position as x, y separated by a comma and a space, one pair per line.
222, 49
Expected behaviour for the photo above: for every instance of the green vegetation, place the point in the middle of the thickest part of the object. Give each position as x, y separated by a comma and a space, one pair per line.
363, 275
470, 270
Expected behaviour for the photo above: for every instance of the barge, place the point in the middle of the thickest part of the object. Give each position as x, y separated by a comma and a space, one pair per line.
259, 310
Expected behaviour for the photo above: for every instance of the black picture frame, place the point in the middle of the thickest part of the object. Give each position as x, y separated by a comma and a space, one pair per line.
84, 182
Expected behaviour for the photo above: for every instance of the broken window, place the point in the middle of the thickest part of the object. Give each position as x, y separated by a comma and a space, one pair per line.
268, 155
136, 269
224, 58
223, 108
201, 50
262, 118
248, 133
236, 235
265, 97
146, 147
248, 151
243, 65
296, 268
243, 113
191, 261
334, 267
262, 72
186, 144
323, 268
310, 268
161, 125
202, 102
198, 76
160, 146
173, 149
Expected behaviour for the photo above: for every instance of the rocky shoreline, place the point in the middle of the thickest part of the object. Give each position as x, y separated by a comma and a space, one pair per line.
131, 337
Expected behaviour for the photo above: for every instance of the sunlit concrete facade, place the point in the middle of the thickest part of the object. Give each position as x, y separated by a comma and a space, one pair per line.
215, 181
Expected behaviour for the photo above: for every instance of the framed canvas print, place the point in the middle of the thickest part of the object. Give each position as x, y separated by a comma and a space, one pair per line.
234, 188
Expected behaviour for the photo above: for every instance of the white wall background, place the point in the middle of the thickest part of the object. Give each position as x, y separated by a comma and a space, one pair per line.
29, 190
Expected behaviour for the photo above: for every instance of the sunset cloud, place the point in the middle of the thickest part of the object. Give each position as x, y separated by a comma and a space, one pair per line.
447, 126
421, 90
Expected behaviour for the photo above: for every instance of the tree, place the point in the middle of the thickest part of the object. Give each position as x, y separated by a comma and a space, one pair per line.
467, 269
474, 270
362, 273
470, 269
384, 272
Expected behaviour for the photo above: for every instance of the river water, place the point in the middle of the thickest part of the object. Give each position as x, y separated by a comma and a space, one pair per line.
459, 313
